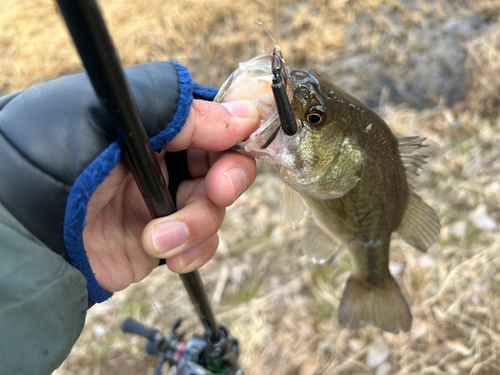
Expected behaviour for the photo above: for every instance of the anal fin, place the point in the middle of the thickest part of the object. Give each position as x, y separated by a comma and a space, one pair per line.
364, 304
420, 225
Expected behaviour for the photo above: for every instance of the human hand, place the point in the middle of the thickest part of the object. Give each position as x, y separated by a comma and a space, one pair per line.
68, 188
123, 244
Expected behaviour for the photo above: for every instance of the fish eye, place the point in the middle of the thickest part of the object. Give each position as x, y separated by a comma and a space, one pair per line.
315, 117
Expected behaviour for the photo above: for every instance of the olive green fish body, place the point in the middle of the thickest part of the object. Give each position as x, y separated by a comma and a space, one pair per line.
356, 178
365, 217
375, 204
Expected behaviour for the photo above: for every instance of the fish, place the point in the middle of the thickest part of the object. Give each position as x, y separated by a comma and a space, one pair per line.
345, 169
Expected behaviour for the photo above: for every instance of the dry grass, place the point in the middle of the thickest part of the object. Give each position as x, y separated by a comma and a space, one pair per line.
484, 63
281, 307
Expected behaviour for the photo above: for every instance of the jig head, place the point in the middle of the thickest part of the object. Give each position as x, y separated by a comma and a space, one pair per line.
283, 104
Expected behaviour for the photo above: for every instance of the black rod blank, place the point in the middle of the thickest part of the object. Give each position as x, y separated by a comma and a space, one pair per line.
95, 46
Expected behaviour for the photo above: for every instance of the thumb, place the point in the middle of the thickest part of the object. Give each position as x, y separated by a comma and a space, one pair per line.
216, 127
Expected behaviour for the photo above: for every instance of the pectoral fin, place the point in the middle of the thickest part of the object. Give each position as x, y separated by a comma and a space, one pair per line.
420, 225
294, 208
384, 307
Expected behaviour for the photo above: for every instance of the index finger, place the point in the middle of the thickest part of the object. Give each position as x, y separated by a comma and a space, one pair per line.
215, 126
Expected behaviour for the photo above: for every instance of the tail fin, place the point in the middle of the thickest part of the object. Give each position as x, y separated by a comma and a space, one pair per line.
383, 307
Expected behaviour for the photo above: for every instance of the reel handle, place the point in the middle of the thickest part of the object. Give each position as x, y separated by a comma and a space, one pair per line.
132, 326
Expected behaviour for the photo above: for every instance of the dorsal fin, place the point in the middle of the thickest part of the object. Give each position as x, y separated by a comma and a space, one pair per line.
407, 145
412, 162
420, 225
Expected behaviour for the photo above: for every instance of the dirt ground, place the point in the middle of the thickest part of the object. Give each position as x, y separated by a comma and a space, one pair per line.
429, 67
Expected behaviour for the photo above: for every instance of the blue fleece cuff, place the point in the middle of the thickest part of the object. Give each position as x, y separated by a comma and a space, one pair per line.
99, 169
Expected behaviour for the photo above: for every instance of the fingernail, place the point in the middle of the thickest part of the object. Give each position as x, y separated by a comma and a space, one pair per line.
189, 257
241, 108
238, 180
169, 235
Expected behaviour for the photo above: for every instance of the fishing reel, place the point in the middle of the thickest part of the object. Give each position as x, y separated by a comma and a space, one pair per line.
195, 356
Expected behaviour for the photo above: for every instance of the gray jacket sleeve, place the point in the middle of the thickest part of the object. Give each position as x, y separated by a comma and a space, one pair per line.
43, 302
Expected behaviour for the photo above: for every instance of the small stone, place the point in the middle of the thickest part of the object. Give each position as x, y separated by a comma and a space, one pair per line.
377, 354
99, 330
384, 369
445, 233
327, 348
277, 233
459, 229
482, 220
476, 300
493, 188
462, 197
419, 328
427, 260
396, 268
355, 345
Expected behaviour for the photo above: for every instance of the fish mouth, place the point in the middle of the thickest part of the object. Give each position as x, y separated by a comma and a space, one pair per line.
298, 76
301, 77
262, 137
267, 135
253, 81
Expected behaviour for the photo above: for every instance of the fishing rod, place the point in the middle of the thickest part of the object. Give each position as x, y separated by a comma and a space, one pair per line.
100, 59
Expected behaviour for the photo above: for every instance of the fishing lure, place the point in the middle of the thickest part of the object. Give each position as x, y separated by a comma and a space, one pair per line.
278, 86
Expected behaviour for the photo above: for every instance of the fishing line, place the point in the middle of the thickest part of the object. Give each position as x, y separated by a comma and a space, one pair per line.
276, 22
276, 45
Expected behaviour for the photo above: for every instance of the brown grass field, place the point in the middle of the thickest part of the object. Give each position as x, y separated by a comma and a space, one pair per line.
431, 68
